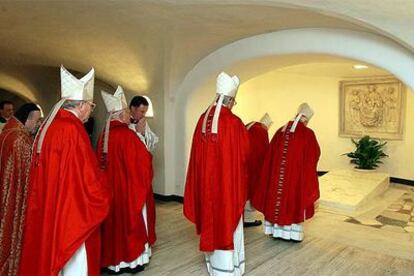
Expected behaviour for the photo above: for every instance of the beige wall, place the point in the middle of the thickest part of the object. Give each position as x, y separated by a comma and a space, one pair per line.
279, 94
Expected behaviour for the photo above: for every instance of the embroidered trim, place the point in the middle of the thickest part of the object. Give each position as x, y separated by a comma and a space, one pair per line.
15, 183
209, 118
281, 181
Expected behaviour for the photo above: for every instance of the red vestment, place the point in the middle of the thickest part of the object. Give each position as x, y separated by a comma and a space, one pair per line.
216, 185
259, 143
128, 170
289, 183
68, 200
15, 151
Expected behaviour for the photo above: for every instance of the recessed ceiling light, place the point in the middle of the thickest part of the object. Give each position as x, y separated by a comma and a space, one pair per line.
360, 66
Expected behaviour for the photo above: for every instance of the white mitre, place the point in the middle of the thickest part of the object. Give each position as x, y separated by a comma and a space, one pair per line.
72, 88
304, 112
266, 120
225, 86
115, 102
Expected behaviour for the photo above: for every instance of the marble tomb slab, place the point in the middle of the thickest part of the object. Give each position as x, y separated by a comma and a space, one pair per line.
346, 191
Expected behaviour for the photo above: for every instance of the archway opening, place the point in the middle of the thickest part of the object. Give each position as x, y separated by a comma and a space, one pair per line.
270, 85
280, 46
287, 49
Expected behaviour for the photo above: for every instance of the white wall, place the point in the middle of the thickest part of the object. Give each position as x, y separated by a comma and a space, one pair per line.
280, 94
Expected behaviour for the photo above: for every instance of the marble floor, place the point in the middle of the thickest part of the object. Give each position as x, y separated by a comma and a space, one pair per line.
397, 217
333, 245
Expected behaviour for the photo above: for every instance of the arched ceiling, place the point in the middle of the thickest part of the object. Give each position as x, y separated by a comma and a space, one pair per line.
140, 44
319, 65
392, 18
130, 42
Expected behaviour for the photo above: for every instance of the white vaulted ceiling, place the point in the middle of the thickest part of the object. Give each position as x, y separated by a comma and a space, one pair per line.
140, 44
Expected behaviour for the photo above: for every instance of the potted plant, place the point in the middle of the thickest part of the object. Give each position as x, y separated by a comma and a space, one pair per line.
368, 153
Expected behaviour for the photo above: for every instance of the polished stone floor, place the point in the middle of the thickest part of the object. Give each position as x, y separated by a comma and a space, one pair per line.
398, 216
333, 245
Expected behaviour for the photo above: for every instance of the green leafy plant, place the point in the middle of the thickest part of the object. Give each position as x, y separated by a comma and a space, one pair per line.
368, 153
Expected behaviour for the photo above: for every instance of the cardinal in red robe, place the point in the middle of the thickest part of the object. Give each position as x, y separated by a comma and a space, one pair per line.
15, 151
216, 186
259, 142
289, 184
129, 230
68, 198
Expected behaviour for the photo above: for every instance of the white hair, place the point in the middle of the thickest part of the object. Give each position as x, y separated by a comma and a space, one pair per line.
227, 100
71, 104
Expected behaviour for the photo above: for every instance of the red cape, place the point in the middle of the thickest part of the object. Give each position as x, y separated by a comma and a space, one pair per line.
216, 186
129, 173
67, 200
259, 143
289, 182
15, 151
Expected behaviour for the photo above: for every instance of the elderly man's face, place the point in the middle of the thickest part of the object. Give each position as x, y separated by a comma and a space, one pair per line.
7, 111
85, 110
138, 112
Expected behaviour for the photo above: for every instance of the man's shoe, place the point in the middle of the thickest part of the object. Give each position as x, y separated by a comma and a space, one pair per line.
253, 223
134, 270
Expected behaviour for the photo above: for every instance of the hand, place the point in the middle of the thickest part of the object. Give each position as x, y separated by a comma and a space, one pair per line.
140, 126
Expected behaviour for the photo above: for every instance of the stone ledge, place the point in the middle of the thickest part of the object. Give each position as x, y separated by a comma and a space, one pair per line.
347, 190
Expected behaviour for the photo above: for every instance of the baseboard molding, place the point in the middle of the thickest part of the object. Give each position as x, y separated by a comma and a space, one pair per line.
320, 173
392, 179
169, 198
402, 181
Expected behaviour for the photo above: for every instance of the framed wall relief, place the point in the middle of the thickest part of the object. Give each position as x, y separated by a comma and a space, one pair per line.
374, 107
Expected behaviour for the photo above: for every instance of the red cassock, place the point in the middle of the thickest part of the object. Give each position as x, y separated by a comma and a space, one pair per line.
15, 150
289, 183
259, 143
128, 171
68, 200
216, 186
